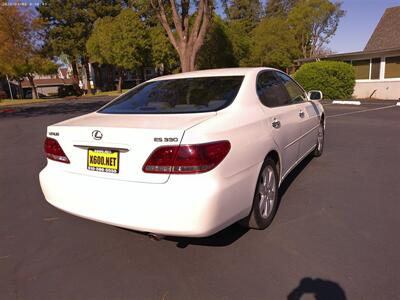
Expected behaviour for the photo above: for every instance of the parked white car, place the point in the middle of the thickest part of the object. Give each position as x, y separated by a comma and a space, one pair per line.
185, 154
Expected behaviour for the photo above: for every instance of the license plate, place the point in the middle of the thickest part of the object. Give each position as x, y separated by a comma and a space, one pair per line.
103, 160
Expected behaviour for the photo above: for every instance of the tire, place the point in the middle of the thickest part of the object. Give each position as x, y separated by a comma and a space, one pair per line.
320, 141
265, 201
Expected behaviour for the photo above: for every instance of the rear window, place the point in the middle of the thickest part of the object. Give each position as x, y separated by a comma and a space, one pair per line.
186, 95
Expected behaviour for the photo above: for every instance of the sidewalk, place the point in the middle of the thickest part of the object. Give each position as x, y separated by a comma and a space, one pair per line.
364, 101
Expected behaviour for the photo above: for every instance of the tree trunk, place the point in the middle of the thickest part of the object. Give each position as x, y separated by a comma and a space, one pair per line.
34, 91
98, 76
186, 41
120, 81
185, 59
75, 77
142, 70
88, 85
20, 90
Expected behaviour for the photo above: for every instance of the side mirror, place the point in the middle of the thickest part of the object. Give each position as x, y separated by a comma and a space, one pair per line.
315, 95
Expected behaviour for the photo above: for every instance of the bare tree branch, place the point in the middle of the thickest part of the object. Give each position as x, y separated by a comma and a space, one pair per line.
187, 39
162, 17
185, 17
177, 20
203, 30
197, 22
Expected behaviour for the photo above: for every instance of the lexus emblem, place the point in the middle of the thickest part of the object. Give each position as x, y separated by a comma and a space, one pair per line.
97, 135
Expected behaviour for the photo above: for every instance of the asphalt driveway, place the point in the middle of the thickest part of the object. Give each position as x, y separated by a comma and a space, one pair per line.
336, 232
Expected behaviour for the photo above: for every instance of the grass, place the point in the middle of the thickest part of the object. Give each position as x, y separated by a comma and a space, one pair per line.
9, 102
108, 93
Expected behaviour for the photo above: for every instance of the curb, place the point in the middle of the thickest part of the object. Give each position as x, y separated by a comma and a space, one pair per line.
346, 102
363, 102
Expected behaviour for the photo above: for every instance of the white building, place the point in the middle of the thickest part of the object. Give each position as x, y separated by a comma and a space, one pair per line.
377, 67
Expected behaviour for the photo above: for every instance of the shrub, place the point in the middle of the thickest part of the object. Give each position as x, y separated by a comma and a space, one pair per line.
334, 79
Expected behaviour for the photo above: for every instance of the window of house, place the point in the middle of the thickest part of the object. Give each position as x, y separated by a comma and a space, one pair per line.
375, 68
392, 67
361, 68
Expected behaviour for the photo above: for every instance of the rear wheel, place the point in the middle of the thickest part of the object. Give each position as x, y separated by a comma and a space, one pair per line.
320, 141
265, 202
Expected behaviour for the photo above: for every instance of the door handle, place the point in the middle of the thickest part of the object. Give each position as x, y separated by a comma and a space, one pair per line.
301, 114
276, 123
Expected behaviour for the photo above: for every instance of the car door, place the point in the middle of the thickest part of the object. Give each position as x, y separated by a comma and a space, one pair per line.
308, 114
281, 117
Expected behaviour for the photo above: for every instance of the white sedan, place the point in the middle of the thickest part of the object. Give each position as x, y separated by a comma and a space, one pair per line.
185, 154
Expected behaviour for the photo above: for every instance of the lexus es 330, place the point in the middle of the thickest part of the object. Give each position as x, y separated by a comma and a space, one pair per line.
185, 154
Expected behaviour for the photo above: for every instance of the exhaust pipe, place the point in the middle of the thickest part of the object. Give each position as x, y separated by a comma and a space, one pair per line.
155, 237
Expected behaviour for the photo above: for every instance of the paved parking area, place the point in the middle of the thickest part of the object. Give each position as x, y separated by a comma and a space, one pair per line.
336, 232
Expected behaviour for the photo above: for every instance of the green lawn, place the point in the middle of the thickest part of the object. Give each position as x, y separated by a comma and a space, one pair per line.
109, 93
9, 102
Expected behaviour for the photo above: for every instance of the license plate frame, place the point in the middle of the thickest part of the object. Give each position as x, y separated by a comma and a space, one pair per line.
103, 160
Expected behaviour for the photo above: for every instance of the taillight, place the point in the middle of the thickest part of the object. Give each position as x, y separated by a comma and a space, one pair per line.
54, 151
187, 159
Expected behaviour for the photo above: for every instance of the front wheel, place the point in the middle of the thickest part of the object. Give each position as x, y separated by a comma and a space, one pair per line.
265, 201
319, 148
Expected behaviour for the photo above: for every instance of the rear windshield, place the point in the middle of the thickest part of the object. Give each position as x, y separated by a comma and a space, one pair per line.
186, 95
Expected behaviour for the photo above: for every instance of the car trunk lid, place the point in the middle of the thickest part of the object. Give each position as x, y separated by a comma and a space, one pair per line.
122, 143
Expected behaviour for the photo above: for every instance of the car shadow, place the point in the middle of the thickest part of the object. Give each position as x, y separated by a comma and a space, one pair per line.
321, 290
234, 232
292, 176
52, 109
222, 238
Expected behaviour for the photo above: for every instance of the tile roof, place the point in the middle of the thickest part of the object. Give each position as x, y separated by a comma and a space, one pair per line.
47, 82
387, 33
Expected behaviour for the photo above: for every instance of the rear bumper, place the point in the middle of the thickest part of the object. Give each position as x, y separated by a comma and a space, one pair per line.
194, 206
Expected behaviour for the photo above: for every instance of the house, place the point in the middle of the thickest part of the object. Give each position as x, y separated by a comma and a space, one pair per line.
48, 87
377, 67
105, 77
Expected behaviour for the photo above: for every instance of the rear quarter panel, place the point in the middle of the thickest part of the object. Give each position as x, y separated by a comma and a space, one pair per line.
243, 124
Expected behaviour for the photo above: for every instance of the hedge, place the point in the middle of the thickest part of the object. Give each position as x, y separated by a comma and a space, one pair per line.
334, 79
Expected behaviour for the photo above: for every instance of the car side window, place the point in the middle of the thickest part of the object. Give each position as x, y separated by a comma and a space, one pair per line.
270, 90
296, 94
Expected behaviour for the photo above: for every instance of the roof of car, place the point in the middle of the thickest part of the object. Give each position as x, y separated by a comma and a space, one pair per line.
211, 73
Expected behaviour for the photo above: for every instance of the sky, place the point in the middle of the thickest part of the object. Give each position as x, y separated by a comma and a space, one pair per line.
356, 27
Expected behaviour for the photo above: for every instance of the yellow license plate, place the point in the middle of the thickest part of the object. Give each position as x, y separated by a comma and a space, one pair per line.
103, 160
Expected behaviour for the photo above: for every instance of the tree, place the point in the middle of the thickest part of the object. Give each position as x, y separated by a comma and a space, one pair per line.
247, 12
217, 50
121, 41
20, 50
70, 24
13, 37
242, 16
279, 8
278, 47
314, 23
188, 31
33, 65
163, 54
